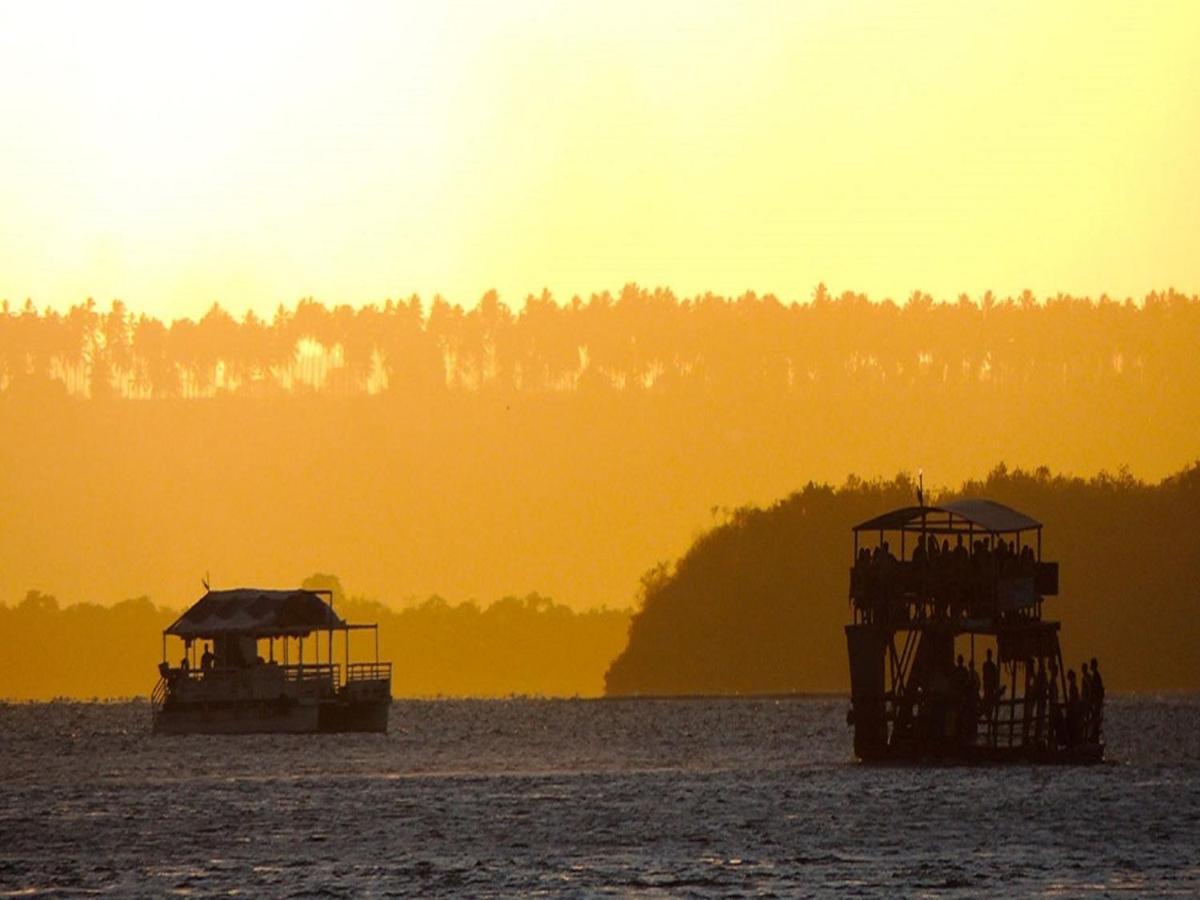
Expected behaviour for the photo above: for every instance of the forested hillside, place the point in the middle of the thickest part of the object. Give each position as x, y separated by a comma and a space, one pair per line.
424, 448
758, 603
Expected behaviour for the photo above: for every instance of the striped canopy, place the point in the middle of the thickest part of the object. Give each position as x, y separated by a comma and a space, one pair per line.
255, 612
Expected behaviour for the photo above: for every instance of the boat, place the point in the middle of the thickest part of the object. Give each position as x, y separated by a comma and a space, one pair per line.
244, 668
932, 586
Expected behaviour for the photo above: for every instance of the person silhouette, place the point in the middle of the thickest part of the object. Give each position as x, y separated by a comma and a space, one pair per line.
1039, 695
960, 550
1028, 698
972, 703
991, 688
1097, 700
1085, 701
1057, 730
960, 684
1072, 709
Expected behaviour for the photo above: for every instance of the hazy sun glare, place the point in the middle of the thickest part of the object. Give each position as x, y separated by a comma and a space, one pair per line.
255, 153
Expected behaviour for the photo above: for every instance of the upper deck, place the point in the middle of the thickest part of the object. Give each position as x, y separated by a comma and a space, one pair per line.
973, 564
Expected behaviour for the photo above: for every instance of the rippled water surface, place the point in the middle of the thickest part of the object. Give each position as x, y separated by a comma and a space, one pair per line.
645, 797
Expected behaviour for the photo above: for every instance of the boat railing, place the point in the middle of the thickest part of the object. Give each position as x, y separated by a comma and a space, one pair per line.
1013, 723
308, 677
908, 592
1009, 725
1022, 722
158, 696
920, 577
310, 672
369, 671
293, 672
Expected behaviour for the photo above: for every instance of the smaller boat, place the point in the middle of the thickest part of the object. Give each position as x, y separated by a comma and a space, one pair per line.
244, 670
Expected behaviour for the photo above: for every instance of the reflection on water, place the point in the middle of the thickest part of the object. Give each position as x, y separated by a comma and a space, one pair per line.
639, 797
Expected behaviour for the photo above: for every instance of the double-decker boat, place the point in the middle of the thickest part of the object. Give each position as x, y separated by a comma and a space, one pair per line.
932, 586
244, 668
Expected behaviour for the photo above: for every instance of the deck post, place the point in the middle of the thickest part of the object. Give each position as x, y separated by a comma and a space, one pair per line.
1012, 710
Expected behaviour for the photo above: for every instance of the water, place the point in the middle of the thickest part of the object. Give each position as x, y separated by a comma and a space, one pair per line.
642, 798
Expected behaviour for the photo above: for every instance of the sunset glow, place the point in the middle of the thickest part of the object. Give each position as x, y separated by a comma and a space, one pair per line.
175, 156
467, 305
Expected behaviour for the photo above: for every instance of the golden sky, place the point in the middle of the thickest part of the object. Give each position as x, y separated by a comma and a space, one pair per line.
176, 154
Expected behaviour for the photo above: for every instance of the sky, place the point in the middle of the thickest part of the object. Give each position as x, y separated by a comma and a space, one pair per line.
177, 155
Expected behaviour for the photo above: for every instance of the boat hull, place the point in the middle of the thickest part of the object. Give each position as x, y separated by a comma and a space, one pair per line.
1079, 755
273, 717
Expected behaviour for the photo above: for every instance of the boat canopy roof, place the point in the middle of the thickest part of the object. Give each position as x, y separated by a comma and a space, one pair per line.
256, 612
974, 514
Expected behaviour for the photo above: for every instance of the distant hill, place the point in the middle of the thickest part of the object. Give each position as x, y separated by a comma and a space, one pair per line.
758, 603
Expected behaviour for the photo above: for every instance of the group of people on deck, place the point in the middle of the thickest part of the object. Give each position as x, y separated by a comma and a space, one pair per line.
1048, 720
1081, 717
953, 577
1000, 555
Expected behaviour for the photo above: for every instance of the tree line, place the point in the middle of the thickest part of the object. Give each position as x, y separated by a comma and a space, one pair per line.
517, 645
634, 341
757, 604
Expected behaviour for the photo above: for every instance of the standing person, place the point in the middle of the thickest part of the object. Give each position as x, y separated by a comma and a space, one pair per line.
973, 702
1029, 698
960, 684
1039, 693
941, 697
991, 690
1085, 702
1097, 701
1072, 709
1056, 717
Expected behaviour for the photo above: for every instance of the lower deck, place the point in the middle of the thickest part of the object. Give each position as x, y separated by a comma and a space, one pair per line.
269, 698
911, 702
